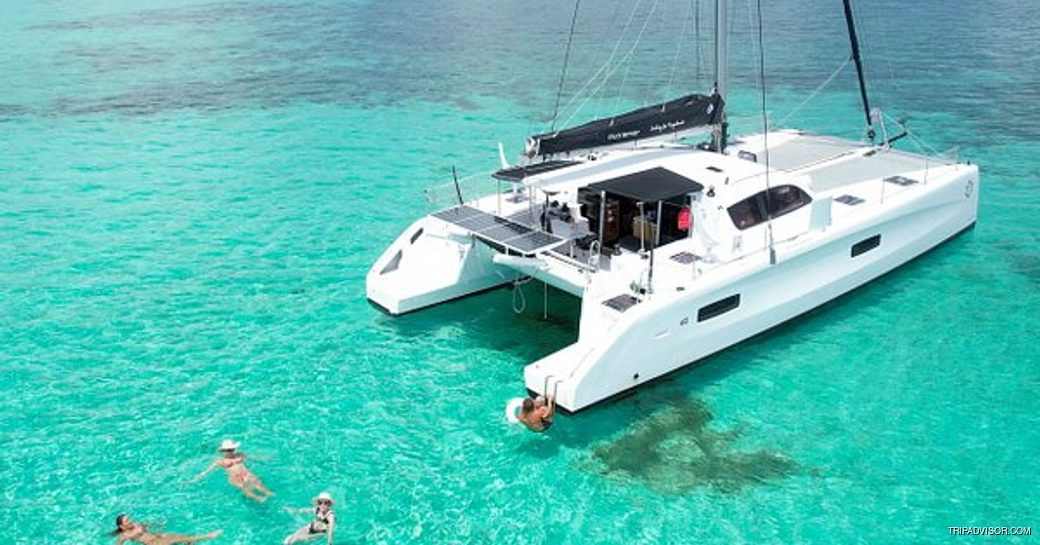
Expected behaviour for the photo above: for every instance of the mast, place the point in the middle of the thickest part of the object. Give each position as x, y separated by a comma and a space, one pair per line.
859, 68
718, 134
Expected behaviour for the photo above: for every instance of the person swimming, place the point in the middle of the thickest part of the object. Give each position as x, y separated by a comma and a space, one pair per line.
324, 522
537, 414
137, 532
238, 474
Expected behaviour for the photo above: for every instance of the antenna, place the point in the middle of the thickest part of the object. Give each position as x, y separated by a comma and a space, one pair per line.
859, 69
458, 191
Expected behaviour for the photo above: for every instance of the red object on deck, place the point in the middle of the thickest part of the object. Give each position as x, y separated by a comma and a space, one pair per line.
685, 221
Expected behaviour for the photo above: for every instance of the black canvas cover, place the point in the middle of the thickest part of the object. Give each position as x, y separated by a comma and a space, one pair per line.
678, 115
656, 184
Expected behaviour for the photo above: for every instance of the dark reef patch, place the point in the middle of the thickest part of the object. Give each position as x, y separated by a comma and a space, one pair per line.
674, 451
1026, 264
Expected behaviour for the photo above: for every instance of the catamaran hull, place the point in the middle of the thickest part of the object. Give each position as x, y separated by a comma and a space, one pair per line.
430, 263
664, 334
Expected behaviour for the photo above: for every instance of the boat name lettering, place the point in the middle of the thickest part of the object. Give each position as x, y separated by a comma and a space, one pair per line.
622, 135
669, 126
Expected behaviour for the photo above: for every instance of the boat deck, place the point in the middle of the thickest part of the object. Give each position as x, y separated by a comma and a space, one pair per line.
832, 163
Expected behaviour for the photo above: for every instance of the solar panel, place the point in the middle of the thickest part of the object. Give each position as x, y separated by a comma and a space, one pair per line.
458, 213
478, 223
505, 233
533, 241
501, 231
515, 174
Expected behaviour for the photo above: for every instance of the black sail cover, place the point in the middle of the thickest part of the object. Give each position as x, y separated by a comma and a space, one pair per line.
674, 116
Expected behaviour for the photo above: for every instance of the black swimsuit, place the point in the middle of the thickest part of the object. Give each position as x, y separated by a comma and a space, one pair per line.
324, 520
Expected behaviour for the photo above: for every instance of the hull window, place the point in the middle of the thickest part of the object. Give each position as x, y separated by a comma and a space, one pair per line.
721, 306
866, 245
779, 201
393, 264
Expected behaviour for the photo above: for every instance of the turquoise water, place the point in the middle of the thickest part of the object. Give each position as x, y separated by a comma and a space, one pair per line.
191, 194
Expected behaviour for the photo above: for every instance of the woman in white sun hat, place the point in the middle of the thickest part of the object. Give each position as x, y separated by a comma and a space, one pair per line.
324, 522
238, 474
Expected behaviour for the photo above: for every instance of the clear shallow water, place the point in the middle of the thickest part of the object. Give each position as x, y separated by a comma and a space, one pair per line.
191, 194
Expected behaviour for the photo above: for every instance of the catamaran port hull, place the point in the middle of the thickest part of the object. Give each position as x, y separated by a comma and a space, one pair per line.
431, 263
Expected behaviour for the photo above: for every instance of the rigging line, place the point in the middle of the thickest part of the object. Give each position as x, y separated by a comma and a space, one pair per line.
858, 59
678, 49
765, 134
697, 39
884, 41
751, 32
813, 94
921, 144
566, 59
606, 77
628, 65
607, 63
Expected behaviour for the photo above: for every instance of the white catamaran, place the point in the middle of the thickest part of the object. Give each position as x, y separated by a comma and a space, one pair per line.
678, 251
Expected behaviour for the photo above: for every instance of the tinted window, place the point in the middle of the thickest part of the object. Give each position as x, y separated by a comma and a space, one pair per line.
721, 306
780, 200
865, 245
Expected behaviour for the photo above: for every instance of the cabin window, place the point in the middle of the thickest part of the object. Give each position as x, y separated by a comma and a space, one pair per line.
780, 201
866, 245
719, 307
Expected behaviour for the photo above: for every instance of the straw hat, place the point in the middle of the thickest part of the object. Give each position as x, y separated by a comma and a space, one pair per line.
228, 444
324, 496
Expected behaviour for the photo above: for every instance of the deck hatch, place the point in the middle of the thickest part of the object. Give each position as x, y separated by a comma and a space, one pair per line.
622, 302
499, 231
685, 258
901, 180
850, 200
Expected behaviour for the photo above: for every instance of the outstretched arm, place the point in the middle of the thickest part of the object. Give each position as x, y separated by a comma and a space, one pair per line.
332, 528
206, 471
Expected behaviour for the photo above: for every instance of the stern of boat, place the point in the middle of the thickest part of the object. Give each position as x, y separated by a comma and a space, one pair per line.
432, 262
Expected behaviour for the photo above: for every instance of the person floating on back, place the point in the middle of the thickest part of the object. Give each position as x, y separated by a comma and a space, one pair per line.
137, 532
324, 523
238, 475
537, 414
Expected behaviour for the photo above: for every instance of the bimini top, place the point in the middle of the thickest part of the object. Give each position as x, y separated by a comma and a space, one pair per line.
656, 184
